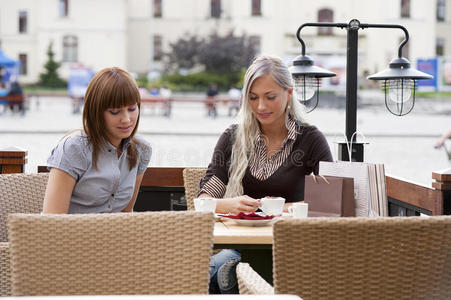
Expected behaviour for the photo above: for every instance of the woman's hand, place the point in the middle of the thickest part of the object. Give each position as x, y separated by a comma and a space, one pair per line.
237, 204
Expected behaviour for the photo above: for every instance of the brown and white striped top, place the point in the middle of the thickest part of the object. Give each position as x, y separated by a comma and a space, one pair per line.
280, 174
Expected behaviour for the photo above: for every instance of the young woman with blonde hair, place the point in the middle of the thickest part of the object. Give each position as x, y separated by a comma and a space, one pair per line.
268, 153
99, 169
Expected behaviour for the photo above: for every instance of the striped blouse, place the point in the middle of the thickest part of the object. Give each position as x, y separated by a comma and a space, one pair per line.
280, 174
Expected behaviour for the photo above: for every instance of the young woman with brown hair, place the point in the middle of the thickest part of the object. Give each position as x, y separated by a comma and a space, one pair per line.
100, 168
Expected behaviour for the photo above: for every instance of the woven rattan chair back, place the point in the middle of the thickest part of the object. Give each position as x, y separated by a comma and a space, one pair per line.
111, 254
191, 179
20, 193
5, 279
363, 258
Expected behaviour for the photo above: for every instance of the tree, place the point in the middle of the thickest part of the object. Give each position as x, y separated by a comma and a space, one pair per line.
50, 77
227, 54
184, 54
216, 54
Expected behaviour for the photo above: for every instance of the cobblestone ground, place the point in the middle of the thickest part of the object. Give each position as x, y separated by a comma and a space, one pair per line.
187, 138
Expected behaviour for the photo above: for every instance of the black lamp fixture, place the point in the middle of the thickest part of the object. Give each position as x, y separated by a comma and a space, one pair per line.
399, 80
307, 79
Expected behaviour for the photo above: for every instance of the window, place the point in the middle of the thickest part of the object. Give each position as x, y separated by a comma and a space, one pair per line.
325, 15
157, 47
215, 8
441, 10
157, 9
63, 8
405, 8
255, 42
70, 48
256, 7
439, 47
23, 64
23, 16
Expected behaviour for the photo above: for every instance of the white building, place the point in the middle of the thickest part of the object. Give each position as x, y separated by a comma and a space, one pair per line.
272, 26
134, 33
89, 32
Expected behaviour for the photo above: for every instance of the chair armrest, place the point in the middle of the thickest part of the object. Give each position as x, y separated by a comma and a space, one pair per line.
5, 273
249, 282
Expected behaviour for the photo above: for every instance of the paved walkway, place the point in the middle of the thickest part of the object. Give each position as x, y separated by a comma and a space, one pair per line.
187, 138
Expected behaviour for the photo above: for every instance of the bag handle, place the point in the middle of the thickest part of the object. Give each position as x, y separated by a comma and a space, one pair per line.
349, 143
324, 178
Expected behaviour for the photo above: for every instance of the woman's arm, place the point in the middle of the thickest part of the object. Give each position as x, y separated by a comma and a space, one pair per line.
234, 205
58, 192
130, 205
439, 143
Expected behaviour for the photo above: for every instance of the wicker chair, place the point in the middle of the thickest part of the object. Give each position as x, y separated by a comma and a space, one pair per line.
5, 278
20, 193
111, 254
358, 258
191, 179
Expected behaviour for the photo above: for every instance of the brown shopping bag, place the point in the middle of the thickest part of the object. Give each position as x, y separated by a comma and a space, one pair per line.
329, 196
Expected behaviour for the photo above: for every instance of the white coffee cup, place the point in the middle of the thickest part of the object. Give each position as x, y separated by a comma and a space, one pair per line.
298, 210
205, 204
272, 205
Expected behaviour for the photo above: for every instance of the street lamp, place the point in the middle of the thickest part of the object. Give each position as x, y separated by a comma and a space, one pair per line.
399, 81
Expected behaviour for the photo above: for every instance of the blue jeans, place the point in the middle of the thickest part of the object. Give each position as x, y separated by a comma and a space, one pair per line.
222, 272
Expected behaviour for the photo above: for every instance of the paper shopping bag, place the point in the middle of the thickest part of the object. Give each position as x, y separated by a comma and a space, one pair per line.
369, 185
329, 196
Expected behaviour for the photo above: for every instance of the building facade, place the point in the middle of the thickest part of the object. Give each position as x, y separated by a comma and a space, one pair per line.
134, 34
83, 32
272, 27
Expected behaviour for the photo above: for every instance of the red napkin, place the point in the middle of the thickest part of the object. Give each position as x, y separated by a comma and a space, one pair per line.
248, 216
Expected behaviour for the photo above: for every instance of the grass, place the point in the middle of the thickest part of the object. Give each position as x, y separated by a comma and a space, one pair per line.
433, 94
34, 89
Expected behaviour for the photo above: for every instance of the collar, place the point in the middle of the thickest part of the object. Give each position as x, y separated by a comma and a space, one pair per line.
125, 144
291, 126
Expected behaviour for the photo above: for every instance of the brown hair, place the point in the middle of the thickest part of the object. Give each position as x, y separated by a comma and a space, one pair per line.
109, 88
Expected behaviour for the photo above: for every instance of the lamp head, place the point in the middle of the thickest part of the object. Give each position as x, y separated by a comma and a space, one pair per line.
306, 78
399, 84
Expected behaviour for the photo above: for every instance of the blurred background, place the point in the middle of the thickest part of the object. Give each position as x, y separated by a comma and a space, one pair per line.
179, 48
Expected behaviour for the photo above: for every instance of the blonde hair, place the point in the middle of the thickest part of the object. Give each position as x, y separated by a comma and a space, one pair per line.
109, 88
248, 126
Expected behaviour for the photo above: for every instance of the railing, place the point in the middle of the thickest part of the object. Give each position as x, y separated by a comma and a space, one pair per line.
162, 189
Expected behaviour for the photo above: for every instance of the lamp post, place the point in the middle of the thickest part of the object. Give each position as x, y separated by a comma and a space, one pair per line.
399, 80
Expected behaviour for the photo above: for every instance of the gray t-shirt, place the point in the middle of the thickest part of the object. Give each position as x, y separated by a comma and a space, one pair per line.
107, 189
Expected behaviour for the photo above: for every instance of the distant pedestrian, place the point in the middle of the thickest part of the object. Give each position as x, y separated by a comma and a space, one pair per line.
234, 100
166, 93
99, 169
154, 91
212, 92
17, 98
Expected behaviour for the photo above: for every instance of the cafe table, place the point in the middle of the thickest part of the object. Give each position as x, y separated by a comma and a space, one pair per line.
254, 243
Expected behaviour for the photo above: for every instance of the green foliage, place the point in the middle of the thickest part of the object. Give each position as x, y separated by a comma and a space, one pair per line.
437, 95
198, 81
215, 54
50, 77
142, 81
223, 60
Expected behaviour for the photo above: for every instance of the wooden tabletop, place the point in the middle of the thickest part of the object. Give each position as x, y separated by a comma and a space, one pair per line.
227, 232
